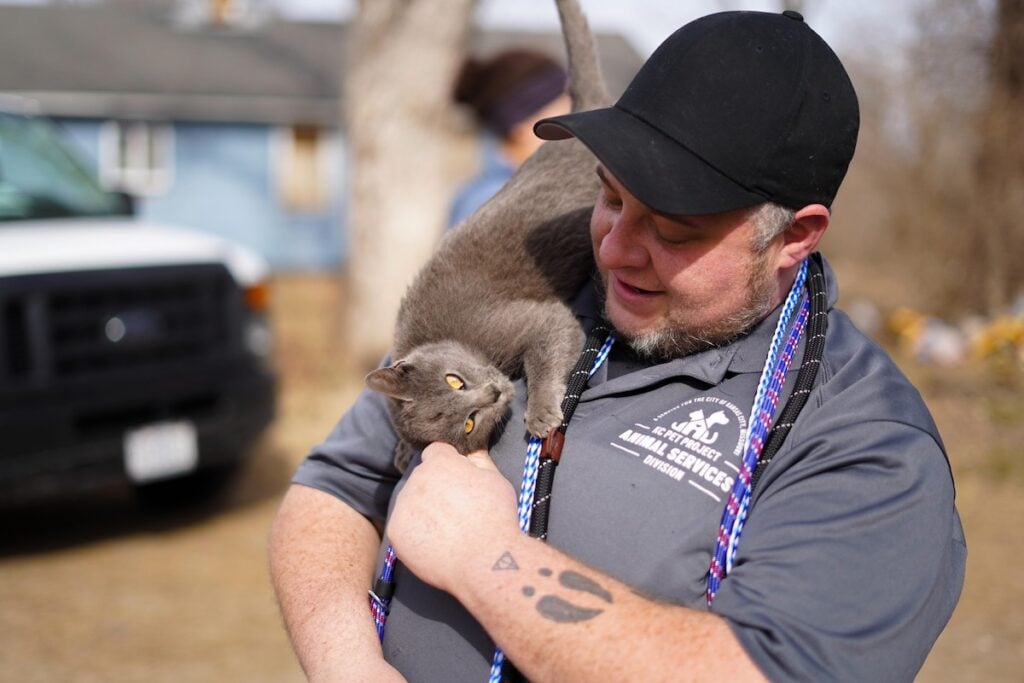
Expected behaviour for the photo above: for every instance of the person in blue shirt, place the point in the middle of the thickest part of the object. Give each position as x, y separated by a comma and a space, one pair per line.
506, 94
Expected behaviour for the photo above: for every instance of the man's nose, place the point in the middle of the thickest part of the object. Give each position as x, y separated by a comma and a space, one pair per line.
622, 246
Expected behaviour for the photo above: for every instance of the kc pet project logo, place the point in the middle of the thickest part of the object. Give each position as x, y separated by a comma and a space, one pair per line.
698, 441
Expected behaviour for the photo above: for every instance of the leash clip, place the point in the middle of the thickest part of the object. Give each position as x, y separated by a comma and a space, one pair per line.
552, 446
381, 594
377, 600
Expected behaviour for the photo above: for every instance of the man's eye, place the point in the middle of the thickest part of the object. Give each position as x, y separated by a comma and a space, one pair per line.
455, 382
673, 238
671, 232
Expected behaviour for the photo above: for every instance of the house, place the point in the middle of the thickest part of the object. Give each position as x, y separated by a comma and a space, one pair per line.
214, 114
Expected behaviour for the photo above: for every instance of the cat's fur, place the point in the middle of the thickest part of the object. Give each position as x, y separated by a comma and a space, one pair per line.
490, 303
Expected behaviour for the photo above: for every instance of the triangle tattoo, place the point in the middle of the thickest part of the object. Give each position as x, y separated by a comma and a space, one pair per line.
506, 561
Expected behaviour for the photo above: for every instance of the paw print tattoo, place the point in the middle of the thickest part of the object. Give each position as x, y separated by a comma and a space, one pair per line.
553, 607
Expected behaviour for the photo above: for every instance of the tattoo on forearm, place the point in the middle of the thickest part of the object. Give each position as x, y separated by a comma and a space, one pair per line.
577, 581
562, 611
556, 609
505, 563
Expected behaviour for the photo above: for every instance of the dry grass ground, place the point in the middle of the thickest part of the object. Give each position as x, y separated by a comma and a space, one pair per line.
981, 418
104, 590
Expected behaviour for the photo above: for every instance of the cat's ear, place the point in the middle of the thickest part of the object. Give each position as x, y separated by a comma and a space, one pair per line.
391, 381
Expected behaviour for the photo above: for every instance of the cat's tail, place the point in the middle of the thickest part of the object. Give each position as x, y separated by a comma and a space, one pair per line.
586, 84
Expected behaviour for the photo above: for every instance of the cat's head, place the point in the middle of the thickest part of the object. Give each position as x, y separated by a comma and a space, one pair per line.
444, 392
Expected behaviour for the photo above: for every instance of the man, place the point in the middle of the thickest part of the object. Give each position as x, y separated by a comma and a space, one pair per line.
718, 166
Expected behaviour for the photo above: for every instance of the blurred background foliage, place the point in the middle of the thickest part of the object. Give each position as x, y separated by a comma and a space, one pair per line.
937, 187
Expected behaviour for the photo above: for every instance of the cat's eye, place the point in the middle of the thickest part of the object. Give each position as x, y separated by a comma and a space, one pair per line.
455, 382
470, 424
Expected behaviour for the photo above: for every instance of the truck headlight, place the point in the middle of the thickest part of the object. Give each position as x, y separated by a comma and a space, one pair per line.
257, 335
258, 339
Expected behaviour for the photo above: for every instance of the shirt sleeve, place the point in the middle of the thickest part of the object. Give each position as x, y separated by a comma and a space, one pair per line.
355, 461
852, 558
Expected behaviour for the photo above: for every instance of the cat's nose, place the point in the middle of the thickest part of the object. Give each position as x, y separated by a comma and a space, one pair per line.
495, 392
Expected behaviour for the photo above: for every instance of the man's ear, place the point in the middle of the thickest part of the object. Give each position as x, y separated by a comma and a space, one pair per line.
801, 238
391, 381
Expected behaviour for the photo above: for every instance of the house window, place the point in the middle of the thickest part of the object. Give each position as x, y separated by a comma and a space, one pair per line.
304, 168
137, 157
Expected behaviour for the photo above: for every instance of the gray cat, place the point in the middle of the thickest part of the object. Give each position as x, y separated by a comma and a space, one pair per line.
490, 304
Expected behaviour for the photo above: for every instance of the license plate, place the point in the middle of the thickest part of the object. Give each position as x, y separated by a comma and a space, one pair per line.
161, 450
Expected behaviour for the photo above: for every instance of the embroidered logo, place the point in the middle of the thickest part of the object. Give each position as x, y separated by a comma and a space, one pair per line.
698, 441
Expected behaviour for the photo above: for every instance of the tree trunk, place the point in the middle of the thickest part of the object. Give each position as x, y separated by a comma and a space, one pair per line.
1000, 162
403, 56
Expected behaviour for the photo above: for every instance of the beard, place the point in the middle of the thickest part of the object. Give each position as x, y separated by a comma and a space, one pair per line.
676, 337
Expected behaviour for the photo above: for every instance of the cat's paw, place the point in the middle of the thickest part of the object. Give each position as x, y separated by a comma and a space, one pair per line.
540, 419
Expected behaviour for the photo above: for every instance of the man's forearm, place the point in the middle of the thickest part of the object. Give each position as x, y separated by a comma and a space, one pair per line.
560, 620
321, 562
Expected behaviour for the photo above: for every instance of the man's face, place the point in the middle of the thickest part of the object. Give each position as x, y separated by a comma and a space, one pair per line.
677, 285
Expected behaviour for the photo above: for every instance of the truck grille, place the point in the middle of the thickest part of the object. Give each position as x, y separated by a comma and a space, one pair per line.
65, 327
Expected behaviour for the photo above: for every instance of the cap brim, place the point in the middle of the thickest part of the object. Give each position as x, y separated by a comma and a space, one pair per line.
656, 169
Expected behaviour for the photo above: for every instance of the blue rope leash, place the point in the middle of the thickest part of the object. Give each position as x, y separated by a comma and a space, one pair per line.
380, 596
761, 414
774, 391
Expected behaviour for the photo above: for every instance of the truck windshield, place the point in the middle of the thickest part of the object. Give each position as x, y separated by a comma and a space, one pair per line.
40, 179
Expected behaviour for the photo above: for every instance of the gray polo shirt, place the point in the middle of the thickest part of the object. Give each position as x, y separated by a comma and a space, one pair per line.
851, 560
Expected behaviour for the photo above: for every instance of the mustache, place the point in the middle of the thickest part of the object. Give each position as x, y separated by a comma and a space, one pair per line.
672, 337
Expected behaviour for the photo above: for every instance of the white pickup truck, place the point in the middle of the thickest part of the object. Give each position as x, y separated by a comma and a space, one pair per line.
128, 351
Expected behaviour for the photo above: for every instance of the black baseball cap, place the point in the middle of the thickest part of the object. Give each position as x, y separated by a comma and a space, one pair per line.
732, 110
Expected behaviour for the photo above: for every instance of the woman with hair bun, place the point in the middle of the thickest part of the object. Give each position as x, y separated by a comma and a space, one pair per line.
507, 94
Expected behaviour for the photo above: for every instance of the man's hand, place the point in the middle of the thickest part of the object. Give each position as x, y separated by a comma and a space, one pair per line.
450, 507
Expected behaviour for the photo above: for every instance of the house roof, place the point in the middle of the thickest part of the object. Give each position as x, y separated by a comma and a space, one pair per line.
141, 59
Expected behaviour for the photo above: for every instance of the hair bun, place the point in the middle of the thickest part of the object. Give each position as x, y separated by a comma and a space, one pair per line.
509, 86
